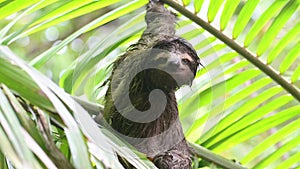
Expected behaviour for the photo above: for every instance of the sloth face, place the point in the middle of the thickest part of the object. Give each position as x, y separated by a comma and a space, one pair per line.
173, 69
176, 64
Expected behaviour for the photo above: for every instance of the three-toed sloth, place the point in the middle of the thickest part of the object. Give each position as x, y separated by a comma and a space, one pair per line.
140, 101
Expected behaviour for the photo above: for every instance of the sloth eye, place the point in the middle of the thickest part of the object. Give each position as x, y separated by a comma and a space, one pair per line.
186, 61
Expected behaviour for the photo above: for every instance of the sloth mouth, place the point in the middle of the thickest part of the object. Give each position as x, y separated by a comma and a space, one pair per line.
163, 79
172, 80
183, 77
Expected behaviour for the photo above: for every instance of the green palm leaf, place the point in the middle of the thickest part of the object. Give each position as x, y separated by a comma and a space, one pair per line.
243, 94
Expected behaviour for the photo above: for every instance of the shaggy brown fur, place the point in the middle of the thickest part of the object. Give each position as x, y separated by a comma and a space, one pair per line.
163, 62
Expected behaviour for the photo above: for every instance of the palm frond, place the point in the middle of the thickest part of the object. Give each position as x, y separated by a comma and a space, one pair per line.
245, 101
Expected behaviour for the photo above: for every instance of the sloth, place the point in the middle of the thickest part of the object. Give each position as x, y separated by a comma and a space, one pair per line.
140, 103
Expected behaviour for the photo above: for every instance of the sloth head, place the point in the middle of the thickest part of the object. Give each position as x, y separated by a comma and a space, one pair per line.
176, 64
